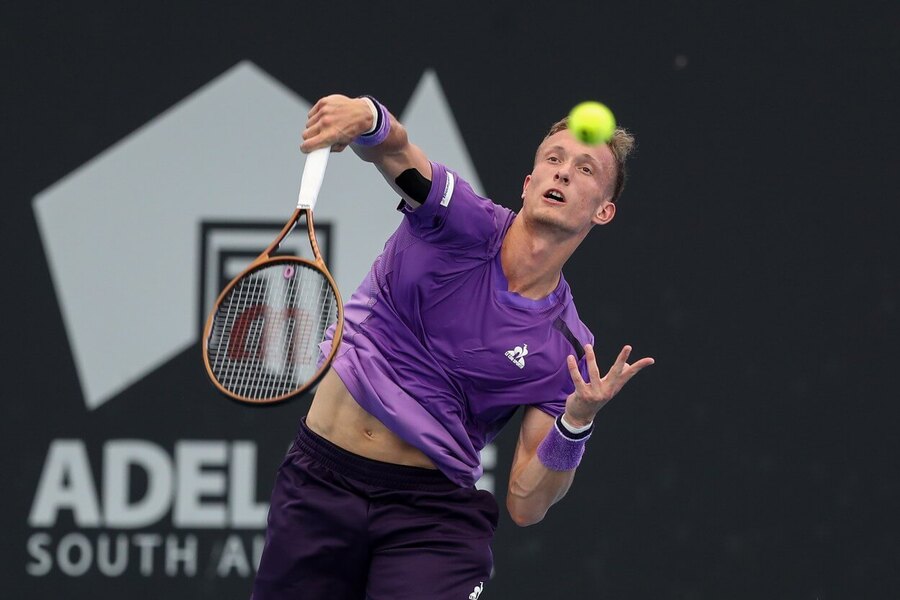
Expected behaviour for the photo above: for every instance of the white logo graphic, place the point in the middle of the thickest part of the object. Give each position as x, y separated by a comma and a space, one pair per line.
448, 190
477, 591
128, 296
517, 355
200, 485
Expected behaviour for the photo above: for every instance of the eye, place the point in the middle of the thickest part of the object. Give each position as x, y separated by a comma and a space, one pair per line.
553, 158
587, 170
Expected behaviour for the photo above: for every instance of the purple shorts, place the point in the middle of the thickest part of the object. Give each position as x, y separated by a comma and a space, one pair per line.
344, 527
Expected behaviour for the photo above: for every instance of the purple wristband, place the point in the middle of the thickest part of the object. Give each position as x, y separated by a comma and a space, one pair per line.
382, 127
560, 453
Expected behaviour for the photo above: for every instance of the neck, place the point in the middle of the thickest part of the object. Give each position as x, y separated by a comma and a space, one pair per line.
533, 258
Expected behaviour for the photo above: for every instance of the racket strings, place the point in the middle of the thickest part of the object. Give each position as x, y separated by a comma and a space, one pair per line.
265, 333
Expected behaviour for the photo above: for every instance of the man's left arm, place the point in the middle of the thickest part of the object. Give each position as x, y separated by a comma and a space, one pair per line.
548, 452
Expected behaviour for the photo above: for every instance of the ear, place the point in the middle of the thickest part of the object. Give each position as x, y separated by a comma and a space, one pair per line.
525, 185
604, 213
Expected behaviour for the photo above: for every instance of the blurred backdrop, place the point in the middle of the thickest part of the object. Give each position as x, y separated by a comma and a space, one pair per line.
149, 149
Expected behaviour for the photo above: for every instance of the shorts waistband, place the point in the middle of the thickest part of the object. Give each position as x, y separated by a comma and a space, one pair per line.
367, 470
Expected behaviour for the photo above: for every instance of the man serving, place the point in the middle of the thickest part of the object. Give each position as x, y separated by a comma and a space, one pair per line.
463, 318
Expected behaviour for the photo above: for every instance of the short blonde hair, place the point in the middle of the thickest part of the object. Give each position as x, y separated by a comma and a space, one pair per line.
621, 144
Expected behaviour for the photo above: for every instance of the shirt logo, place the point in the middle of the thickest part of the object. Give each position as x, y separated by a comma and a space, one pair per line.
517, 355
477, 591
448, 189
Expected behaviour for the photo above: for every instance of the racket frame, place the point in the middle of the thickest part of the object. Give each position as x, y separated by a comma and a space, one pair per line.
309, 190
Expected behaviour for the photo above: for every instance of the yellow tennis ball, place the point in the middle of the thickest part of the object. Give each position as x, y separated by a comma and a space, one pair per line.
592, 123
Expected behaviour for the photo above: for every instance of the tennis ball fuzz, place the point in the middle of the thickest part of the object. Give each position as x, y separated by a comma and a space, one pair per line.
592, 123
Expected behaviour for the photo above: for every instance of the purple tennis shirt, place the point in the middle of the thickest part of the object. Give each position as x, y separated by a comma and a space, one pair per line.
438, 349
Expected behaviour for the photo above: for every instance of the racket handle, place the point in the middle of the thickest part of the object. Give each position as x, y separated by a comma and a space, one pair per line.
311, 180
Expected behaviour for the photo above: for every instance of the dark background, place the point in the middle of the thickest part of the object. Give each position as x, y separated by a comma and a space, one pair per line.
754, 255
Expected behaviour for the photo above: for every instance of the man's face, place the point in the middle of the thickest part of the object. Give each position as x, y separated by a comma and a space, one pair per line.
570, 186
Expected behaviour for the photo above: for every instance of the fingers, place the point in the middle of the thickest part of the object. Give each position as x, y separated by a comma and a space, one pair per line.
644, 362
322, 103
621, 360
593, 368
319, 134
574, 373
621, 371
329, 123
314, 142
641, 364
636, 368
316, 136
618, 374
312, 137
321, 130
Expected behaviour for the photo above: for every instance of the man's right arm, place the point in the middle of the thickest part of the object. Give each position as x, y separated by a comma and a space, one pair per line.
336, 121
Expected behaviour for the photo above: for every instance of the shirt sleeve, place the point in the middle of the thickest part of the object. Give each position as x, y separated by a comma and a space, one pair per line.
454, 216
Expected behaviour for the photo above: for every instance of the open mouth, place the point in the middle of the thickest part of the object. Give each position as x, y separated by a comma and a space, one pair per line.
555, 196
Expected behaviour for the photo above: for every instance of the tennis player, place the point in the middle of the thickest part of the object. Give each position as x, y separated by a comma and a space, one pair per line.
464, 318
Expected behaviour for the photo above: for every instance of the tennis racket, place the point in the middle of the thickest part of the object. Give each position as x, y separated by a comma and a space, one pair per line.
261, 340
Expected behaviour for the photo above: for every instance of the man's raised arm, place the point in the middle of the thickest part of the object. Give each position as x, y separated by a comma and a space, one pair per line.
376, 136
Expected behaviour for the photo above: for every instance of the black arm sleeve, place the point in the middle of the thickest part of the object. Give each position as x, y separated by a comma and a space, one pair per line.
414, 185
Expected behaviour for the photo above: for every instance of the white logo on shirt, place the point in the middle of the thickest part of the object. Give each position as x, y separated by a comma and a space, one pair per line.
448, 189
517, 355
477, 591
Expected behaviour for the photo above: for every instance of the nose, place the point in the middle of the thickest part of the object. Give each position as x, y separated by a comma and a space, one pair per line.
562, 173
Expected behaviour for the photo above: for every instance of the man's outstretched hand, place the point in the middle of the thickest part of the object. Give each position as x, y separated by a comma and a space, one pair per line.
590, 396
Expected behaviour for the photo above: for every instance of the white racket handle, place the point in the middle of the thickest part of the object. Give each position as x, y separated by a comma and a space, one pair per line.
311, 180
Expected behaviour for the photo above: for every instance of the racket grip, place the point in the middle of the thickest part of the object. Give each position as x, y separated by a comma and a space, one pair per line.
311, 180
